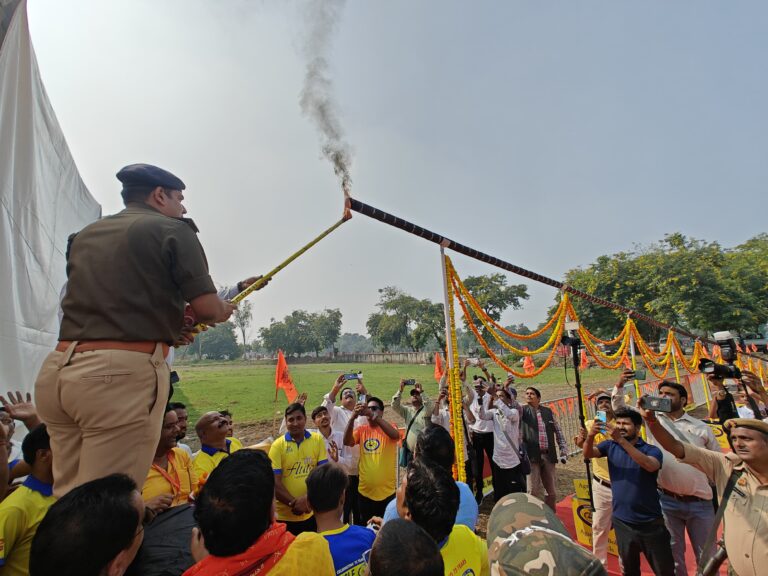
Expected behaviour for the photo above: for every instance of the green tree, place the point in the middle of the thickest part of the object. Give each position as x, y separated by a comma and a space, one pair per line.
294, 335
242, 319
406, 322
687, 283
217, 343
326, 326
354, 343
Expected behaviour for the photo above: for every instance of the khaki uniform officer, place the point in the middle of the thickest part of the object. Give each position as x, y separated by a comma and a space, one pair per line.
103, 390
745, 521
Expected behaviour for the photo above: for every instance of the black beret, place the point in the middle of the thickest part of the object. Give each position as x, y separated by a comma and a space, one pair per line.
148, 175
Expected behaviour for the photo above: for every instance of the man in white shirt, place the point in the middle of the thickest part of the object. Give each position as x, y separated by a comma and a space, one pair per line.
339, 416
441, 415
685, 493
481, 433
334, 440
506, 443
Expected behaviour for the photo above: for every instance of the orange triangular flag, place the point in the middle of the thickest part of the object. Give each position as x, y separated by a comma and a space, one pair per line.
283, 378
627, 363
754, 348
439, 372
584, 364
528, 364
738, 348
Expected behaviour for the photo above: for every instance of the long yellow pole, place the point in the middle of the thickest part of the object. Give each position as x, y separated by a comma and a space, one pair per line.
268, 276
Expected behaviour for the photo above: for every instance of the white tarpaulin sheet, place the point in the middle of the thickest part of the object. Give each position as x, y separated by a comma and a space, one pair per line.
43, 200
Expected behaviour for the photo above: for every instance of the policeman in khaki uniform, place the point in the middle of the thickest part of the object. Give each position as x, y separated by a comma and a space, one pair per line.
103, 390
745, 521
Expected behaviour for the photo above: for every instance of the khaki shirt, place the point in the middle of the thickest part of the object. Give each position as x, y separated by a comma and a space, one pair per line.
129, 276
746, 517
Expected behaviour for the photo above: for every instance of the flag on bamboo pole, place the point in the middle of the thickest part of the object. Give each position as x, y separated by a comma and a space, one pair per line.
528, 364
439, 371
584, 364
283, 378
627, 362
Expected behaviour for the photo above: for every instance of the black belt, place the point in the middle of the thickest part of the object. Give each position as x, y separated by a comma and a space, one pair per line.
601, 481
681, 497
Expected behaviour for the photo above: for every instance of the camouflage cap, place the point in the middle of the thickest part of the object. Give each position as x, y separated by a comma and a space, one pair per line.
526, 537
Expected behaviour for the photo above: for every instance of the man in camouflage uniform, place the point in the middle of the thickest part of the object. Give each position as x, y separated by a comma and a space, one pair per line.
526, 537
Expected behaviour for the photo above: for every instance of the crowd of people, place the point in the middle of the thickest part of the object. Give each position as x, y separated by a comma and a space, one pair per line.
106, 481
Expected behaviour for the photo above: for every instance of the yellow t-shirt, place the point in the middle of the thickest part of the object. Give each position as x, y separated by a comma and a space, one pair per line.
600, 465
179, 479
293, 462
20, 515
208, 458
465, 551
378, 456
308, 554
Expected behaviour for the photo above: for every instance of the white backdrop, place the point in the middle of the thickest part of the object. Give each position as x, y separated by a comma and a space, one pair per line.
42, 201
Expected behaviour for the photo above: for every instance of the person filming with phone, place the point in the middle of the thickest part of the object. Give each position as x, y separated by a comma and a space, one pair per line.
637, 518
601, 477
416, 416
741, 481
686, 496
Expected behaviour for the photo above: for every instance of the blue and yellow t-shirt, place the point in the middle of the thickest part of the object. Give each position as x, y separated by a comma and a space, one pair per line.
208, 458
465, 553
293, 462
20, 515
350, 548
378, 454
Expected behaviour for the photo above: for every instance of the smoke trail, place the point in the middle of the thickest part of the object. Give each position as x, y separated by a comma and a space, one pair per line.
316, 95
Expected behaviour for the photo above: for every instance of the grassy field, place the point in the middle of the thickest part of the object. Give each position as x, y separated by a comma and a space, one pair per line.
248, 390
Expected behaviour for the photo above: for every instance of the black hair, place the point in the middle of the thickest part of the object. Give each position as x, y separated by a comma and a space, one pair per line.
136, 193
169, 408
37, 439
402, 547
86, 529
675, 386
177, 406
225, 413
318, 410
535, 391
325, 485
234, 507
295, 406
637, 420
432, 498
377, 400
435, 444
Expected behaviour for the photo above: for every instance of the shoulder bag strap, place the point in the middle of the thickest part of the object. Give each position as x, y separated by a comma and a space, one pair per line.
707, 548
408, 428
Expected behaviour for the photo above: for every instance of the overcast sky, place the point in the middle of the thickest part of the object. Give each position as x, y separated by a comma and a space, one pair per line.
544, 133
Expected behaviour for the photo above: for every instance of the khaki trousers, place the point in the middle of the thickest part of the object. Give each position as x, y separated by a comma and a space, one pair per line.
602, 516
542, 481
104, 411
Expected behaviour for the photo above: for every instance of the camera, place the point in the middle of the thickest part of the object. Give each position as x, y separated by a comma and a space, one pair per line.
727, 344
410, 382
721, 371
